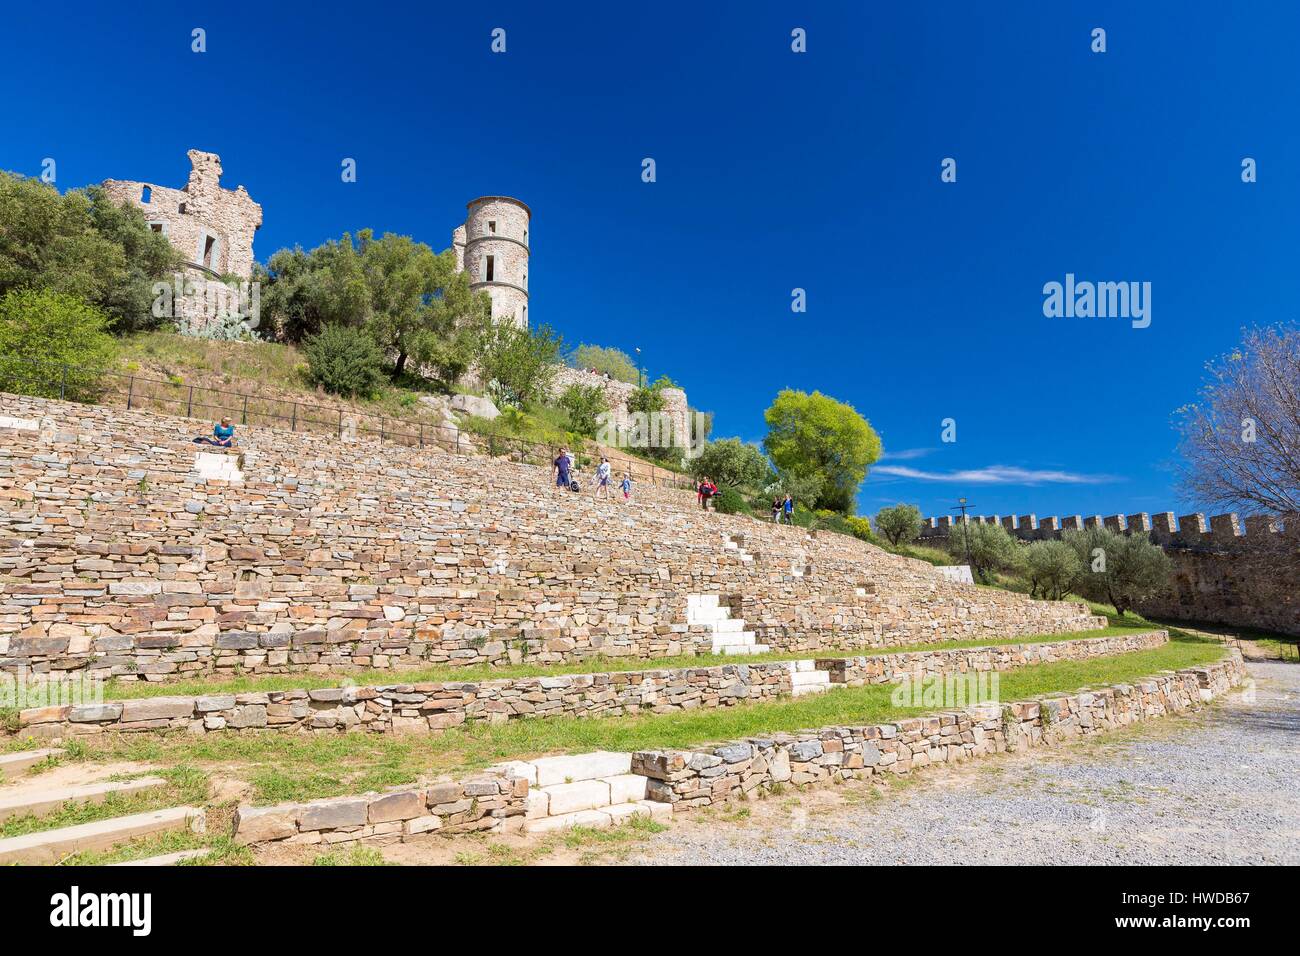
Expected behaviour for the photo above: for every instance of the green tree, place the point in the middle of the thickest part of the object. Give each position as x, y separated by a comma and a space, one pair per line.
584, 404
85, 245
613, 362
899, 524
345, 360
53, 345
1121, 569
817, 435
988, 547
1052, 568
516, 364
802, 488
729, 501
731, 461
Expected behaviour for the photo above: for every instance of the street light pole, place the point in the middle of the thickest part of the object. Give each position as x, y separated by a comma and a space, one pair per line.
639, 368
962, 505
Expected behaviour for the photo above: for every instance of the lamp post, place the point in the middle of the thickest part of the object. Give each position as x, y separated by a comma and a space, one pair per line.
640, 370
962, 505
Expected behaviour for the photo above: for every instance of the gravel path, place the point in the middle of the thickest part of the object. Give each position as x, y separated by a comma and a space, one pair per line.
1214, 788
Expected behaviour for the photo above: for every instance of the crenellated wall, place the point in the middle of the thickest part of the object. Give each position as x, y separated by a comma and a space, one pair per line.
1244, 573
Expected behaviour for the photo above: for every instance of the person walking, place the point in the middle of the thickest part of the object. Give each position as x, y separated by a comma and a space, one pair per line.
562, 469
627, 486
602, 479
776, 510
787, 508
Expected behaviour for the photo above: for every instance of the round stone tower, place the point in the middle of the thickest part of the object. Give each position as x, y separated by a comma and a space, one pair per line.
496, 254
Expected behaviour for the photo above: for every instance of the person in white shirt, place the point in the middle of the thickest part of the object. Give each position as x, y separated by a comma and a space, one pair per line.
602, 479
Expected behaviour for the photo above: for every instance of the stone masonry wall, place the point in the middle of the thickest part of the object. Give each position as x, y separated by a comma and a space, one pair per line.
676, 408
117, 554
715, 774
434, 706
1226, 571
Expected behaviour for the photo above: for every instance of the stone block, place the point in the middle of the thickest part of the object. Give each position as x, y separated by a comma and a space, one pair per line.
397, 806
581, 795
579, 767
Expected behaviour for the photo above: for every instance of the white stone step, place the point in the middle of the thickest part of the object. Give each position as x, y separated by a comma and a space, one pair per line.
701, 601
167, 859
731, 625
51, 846
576, 767
42, 801
742, 649
707, 615
604, 817
16, 764
735, 640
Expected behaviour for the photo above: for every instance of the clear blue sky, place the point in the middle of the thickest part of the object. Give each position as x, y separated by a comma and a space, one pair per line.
775, 171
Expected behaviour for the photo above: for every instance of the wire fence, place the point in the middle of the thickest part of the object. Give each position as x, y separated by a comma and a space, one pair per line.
25, 376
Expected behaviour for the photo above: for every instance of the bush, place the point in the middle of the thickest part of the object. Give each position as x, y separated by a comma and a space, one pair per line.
616, 364
1116, 568
733, 462
900, 524
860, 528
584, 404
989, 548
729, 501
1052, 567
53, 345
344, 361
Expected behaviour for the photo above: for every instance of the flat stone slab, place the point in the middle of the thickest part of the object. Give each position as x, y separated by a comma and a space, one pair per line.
219, 467
626, 787
22, 424
16, 764
573, 797
167, 859
37, 801
577, 767
51, 846
604, 817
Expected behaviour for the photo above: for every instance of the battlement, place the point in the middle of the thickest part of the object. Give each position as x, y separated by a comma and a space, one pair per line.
1162, 528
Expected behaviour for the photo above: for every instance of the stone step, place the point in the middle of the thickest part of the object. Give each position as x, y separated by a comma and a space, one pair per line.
604, 817
17, 764
809, 682
51, 846
735, 640
578, 767
731, 625
42, 801
167, 859
701, 601
741, 648
708, 615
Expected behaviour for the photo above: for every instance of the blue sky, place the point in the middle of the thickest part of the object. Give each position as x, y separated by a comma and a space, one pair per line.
775, 170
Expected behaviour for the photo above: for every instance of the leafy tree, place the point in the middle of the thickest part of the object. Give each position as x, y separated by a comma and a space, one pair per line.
516, 364
817, 435
729, 501
731, 461
53, 345
584, 404
1052, 568
1121, 569
800, 487
344, 360
899, 524
988, 547
85, 245
613, 362
1241, 442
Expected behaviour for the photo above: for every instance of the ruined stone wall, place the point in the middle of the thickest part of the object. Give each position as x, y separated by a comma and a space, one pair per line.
197, 213
1226, 571
118, 553
715, 774
676, 409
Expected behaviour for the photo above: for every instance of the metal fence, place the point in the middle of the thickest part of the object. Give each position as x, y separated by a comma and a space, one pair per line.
43, 379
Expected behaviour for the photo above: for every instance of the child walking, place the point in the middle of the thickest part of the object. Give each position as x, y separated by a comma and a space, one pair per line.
626, 485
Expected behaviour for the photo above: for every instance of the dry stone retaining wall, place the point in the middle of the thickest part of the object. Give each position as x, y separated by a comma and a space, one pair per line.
432, 707
689, 779
118, 556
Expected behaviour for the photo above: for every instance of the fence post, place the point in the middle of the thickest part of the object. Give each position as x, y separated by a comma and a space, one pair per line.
381, 428
340, 424
421, 434
244, 419
189, 404
130, 392
293, 427
63, 382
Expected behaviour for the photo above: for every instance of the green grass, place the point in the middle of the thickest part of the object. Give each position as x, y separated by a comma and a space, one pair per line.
291, 767
186, 786
129, 690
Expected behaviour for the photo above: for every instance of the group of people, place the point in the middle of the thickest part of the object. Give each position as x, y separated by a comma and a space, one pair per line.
783, 509
563, 469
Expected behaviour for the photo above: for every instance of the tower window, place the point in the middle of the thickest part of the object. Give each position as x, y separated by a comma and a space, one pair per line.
489, 268
525, 237
146, 194
156, 226
209, 246
492, 225
181, 209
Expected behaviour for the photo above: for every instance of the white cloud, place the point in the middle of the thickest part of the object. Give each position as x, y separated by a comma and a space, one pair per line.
996, 475
907, 454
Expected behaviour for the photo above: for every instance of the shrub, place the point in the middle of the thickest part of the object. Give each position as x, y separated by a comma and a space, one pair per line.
516, 364
584, 404
860, 528
1052, 567
1116, 568
344, 361
899, 524
53, 345
729, 501
613, 362
988, 546
733, 462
